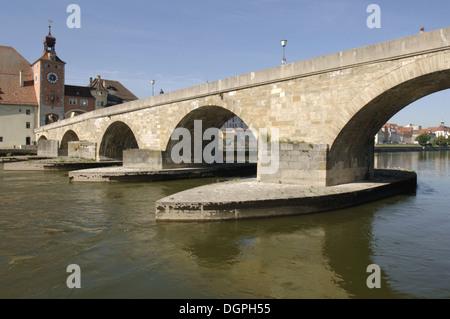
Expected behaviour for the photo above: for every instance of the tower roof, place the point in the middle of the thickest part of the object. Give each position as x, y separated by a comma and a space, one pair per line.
49, 40
49, 53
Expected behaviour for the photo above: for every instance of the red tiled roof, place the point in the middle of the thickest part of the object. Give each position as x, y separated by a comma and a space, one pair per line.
424, 130
46, 56
11, 92
439, 128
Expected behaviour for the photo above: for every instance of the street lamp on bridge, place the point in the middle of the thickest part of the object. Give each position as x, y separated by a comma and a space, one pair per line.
283, 44
153, 87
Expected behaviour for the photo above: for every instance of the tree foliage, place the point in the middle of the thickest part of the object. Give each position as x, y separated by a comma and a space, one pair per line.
423, 139
440, 141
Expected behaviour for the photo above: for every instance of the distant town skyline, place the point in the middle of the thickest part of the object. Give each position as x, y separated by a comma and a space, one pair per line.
181, 44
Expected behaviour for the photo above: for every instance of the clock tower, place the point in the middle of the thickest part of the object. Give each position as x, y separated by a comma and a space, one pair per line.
48, 75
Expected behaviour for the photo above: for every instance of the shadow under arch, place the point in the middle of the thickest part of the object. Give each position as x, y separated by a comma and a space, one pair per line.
69, 136
351, 156
117, 138
211, 116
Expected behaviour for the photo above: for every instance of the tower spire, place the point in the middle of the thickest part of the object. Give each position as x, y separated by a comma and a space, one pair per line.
50, 27
49, 40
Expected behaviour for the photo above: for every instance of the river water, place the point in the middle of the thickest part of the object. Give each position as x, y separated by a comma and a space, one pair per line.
109, 231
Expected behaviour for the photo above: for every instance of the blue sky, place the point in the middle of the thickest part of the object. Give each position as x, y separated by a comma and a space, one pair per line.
181, 43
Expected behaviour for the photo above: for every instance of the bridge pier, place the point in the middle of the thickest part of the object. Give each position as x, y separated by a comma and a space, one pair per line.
48, 148
298, 163
143, 158
350, 163
82, 149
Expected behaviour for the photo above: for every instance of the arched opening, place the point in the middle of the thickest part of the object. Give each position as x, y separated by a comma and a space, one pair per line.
214, 135
51, 118
351, 157
117, 138
42, 138
74, 113
69, 136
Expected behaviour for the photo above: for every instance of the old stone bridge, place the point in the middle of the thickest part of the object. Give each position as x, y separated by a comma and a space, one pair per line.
326, 109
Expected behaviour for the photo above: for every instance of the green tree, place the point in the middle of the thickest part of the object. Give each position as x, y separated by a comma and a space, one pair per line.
440, 141
423, 139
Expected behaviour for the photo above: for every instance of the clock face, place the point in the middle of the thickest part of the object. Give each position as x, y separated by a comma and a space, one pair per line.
52, 77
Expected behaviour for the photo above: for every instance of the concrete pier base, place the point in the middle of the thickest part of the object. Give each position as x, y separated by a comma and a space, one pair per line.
146, 174
252, 199
62, 163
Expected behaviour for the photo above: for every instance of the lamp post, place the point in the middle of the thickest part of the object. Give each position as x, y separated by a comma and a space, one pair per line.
283, 44
153, 87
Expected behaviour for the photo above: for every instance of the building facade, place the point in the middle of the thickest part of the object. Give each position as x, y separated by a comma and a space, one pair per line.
33, 95
18, 102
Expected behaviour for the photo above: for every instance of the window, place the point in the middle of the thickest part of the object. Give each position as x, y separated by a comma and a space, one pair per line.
47, 65
73, 101
28, 112
28, 140
28, 125
1, 138
84, 102
100, 103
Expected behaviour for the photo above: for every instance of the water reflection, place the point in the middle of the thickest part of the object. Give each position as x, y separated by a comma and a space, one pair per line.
47, 223
262, 259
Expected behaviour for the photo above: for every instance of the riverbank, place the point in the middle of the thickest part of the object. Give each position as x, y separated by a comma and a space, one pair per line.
17, 151
410, 148
252, 199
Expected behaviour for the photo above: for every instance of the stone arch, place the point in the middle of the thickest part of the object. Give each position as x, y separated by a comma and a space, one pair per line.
42, 138
211, 116
117, 138
73, 113
350, 156
51, 118
69, 136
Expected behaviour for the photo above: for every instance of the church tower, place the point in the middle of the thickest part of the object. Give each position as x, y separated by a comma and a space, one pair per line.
48, 72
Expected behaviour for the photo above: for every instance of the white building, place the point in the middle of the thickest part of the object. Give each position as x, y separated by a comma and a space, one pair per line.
18, 102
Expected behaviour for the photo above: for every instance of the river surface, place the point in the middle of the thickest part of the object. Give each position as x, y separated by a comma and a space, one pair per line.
109, 231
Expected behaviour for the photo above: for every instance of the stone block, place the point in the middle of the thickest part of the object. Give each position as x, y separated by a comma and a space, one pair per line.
48, 148
142, 158
82, 149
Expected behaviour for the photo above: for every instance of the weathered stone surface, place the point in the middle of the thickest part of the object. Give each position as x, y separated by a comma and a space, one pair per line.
227, 200
48, 148
82, 149
143, 158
